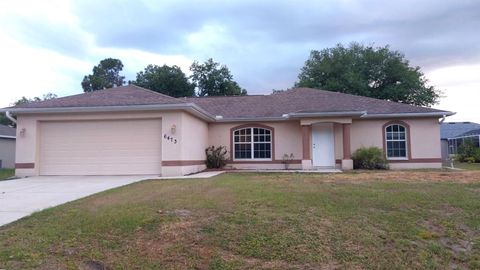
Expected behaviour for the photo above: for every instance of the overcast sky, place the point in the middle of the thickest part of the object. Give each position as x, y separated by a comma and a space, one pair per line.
48, 46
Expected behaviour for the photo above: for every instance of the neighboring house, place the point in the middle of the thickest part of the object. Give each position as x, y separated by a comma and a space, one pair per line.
7, 147
452, 135
132, 130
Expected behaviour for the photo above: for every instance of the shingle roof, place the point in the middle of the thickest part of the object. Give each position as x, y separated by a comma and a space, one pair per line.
7, 131
299, 100
471, 132
455, 129
118, 96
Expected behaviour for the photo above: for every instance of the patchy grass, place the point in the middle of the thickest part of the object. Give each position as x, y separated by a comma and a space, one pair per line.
6, 173
386, 220
467, 166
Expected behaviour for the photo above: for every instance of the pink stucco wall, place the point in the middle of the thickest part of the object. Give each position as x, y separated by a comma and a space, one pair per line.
287, 138
190, 132
424, 140
194, 135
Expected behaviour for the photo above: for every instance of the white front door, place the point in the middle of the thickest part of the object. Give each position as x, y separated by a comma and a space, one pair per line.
323, 145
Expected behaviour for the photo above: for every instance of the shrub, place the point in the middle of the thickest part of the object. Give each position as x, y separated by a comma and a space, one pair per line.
477, 155
216, 157
370, 158
468, 152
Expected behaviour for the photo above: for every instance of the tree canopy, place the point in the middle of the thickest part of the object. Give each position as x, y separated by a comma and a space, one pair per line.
213, 79
105, 75
376, 72
166, 80
25, 100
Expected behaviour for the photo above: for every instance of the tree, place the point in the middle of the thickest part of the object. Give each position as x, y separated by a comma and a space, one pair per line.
376, 72
25, 100
166, 80
105, 75
213, 79
5, 121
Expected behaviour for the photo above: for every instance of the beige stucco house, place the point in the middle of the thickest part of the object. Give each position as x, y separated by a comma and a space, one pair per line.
7, 147
131, 130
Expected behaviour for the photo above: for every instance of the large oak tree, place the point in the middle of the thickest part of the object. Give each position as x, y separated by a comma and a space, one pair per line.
376, 72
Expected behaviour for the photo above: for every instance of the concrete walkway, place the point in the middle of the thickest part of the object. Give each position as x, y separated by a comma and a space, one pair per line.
207, 174
289, 171
22, 197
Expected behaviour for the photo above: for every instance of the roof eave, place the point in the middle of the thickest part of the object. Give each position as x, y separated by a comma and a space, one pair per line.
190, 107
326, 114
403, 115
292, 116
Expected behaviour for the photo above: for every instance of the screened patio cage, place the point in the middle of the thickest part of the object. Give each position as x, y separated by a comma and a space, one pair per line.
454, 143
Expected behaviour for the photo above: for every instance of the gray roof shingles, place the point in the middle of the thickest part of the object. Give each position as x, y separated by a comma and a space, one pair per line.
456, 129
300, 100
7, 131
274, 105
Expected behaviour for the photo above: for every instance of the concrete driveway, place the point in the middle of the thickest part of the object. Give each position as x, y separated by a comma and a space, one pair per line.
22, 197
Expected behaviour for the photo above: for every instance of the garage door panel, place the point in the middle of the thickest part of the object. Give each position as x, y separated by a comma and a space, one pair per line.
118, 147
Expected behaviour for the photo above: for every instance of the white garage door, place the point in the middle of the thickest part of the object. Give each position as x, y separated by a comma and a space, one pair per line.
113, 147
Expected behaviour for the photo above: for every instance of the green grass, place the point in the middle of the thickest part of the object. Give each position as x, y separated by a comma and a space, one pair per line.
386, 220
6, 173
467, 166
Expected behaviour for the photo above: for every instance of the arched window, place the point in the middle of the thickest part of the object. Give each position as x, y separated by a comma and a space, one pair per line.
396, 141
252, 143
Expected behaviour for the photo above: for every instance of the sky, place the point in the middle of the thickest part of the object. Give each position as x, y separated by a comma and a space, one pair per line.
48, 46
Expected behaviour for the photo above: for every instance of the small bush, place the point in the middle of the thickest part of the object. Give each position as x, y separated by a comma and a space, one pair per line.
216, 157
469, 160
370, 158
468, 152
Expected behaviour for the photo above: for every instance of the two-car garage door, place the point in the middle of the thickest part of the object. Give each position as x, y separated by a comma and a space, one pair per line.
113, 147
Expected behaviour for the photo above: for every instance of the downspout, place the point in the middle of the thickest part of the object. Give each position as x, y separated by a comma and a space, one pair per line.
443, 119
10, 117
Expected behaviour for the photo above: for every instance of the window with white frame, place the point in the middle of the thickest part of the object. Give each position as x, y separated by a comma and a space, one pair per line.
396, 141
252, 143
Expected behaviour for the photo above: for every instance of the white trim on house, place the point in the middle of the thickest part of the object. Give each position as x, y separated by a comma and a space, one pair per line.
405, 140
400, 115
323, 114
7, 137
252, 143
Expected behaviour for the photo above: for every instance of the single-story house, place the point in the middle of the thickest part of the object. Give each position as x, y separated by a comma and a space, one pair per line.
452, 135
7, 147
132, 130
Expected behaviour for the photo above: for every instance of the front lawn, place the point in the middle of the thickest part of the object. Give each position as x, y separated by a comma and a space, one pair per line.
6, 173
383, 220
